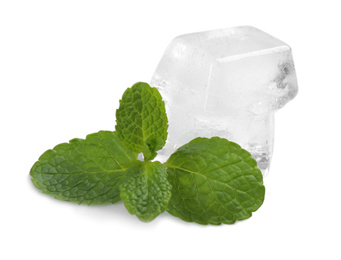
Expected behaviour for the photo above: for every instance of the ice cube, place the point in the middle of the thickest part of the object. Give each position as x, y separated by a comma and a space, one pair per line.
226, 83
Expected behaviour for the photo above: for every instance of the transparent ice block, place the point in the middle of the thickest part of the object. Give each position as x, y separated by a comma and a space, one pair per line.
226, 83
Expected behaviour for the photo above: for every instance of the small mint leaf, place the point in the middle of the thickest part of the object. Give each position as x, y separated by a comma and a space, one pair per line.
145, 190
84, 171
141, 120
214, 181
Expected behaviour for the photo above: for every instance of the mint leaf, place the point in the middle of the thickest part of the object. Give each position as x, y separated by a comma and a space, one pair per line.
84, 171
141, 120
146, 190
214, 181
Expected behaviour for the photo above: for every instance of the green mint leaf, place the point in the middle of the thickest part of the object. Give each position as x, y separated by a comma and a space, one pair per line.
84, 171
141, 120
146, 190
214, 181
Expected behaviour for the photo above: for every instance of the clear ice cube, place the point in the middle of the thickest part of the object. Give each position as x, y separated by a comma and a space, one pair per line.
226, 83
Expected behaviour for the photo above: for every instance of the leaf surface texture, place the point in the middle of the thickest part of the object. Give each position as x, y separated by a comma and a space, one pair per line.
141, 120
84, 170
214, 181
146, 190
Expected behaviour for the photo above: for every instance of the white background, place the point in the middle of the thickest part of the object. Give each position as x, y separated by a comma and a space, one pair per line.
63, 68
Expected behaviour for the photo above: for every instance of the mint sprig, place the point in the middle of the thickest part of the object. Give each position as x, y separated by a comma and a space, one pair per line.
207, 181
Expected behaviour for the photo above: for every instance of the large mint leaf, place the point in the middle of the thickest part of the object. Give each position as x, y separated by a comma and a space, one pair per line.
146, 190
141, 120
214, 181
86, 171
